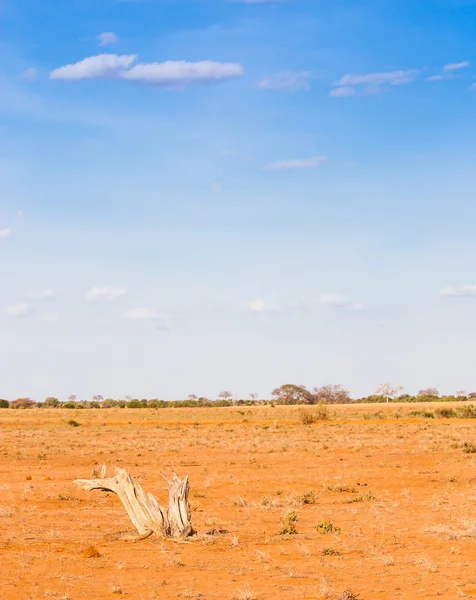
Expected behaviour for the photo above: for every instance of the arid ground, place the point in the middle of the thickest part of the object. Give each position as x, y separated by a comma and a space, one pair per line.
395, 499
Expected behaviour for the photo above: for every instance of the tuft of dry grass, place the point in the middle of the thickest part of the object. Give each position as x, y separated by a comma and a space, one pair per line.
91, 552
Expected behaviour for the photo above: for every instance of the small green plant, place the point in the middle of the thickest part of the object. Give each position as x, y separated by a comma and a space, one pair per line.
469, 448
289, 520
73, 423
328, 527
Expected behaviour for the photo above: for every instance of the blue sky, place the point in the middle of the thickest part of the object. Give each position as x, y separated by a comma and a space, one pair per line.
198, 195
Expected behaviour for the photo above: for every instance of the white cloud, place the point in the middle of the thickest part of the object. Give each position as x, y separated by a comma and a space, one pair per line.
456, 66
378, 79
4, 233
106, 38
170, 74
436, 77
287, 80
178, 74
338, 302
102, 65
459, 290
105, 293
342, 92
145, 314
22, 309
259, 306
29, 75
299, 163
42, 295
49, 318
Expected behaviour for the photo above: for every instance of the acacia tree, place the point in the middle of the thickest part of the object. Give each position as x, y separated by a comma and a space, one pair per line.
253, 396
332, 394
225, 395
429, 392
388, 391
292, 394
72, 397
192, 397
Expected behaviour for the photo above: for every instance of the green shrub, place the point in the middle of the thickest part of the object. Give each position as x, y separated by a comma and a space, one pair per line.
4, 404
289, 521
445, 413
327, 527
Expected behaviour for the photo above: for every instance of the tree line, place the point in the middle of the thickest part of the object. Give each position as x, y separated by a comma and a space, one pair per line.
288, 394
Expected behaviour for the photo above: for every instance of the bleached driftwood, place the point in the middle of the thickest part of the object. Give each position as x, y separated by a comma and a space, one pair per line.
143, 509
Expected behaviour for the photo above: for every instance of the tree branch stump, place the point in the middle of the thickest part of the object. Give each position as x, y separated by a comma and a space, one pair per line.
143, 509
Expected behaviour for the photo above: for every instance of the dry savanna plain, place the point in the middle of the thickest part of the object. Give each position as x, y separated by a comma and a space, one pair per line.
385, 504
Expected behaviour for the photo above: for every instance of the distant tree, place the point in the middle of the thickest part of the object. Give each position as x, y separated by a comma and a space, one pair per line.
253, 396
225, 395
332, 394
4, 403
429, 392
98, 398
109, 403
72, 397
192, 397
461, 393
203, 399
292, 394
388, 391
23, 403
51, 402
472, 395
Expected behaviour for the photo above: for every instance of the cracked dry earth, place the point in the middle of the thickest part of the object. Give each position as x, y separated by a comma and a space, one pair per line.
385, 505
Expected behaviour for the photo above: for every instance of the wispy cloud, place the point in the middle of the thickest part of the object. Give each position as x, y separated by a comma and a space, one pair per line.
102, 65
297, 163
29, 75
146, 314
4, 233
287, 80
338, 302
21, 309
105, 293
371, 83
106, 38
170, 74
42, 295
436, 77
388, 77
456, 66
259, 306
459, 291
179, 74
342, 92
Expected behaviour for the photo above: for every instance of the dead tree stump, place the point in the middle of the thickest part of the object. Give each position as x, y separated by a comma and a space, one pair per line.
143, 509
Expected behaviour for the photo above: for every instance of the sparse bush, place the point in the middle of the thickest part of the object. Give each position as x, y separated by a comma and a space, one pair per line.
469, 448
23, 403
425, 414
328, 527
349, 595
289, 520
330, 552
73, 423
4, 404
467, 412
309, 497
308, 416
445, 413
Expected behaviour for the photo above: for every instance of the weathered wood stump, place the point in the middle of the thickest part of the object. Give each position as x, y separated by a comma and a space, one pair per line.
143, 509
